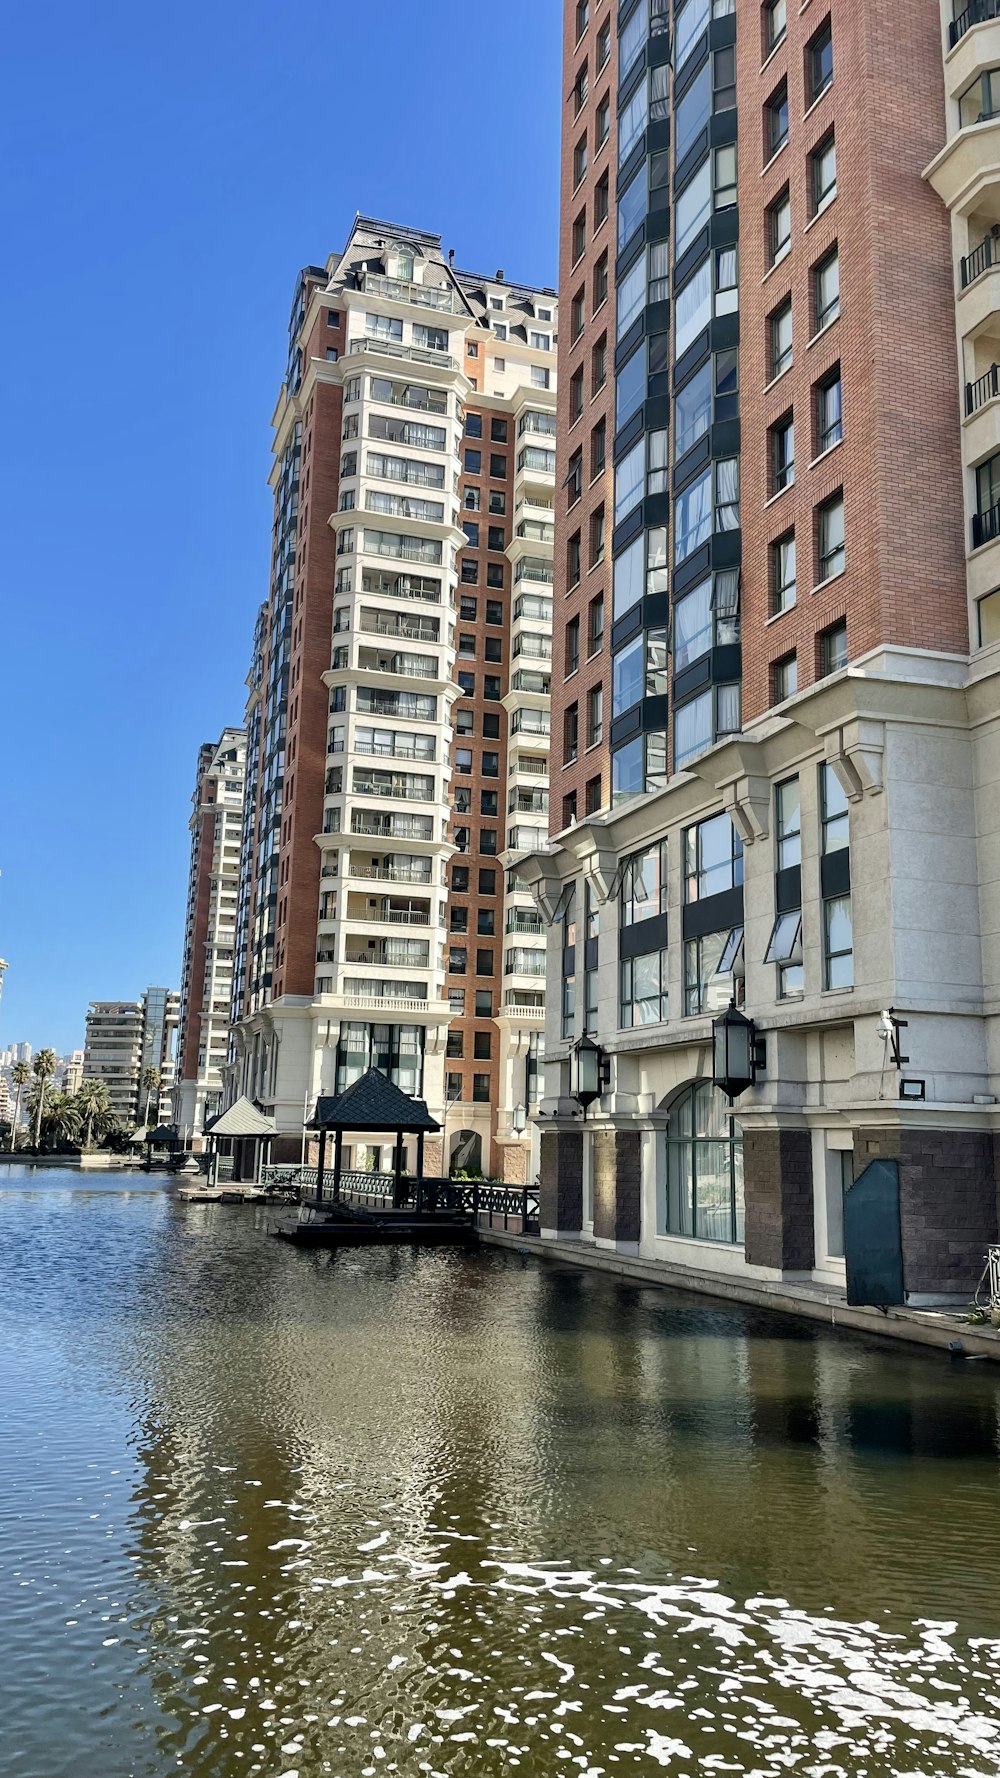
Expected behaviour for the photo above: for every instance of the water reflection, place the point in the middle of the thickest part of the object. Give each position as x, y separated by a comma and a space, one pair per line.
273, 1512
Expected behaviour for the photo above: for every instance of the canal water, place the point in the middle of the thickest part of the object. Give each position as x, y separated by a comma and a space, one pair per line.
266, 1511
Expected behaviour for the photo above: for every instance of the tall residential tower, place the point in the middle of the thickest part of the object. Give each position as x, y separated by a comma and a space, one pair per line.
774, 218
397, 720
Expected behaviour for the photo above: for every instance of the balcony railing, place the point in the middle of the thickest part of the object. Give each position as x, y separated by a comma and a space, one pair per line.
388, 349
985, 388
975, 13
986, 526
387, 873
400, 749
392, 916
982, 257
408, 666
401, 791
424, 296
393, 827
415, 629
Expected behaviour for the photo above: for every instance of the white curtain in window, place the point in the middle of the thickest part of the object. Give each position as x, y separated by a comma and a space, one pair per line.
693, 516
727, 494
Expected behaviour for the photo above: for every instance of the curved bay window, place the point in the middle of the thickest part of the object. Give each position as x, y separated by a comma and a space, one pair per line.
704, 1192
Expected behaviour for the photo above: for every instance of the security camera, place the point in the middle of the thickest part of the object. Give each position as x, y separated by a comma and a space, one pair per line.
886, 1026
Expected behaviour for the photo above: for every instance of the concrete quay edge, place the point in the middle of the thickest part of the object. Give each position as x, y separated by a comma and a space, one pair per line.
920, 1327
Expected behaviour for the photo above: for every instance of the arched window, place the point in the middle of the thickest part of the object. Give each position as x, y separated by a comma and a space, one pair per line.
704, 1168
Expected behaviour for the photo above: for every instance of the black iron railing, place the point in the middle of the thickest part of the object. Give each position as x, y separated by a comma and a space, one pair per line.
982, 257
985, 388
485, 1202
975, 13
986, 526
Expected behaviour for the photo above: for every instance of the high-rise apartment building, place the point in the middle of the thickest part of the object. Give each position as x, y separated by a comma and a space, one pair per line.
774, 218
209, 933
123, 1039
397, 719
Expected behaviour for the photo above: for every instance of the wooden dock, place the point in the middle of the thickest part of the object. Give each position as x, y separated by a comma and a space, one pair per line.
343, 1224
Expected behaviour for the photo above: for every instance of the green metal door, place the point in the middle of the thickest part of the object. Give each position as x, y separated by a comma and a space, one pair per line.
873, 1243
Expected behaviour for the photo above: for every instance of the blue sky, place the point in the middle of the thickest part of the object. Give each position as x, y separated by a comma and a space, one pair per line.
167, 172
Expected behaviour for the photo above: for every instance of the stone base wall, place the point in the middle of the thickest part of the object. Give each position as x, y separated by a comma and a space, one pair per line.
777, 1174
947, 1203
561, 1181
617, 1184
512, 1162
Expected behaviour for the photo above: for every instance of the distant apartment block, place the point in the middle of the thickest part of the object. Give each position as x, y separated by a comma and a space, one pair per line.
209, 933
123, 1039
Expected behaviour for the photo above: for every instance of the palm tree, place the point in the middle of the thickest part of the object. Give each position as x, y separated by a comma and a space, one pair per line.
93, 1102
20, 1074
43, 1068
151, 1081
62, 1120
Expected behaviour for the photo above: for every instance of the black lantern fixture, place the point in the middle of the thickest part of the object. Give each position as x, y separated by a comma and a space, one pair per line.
737, 1052
586, 1068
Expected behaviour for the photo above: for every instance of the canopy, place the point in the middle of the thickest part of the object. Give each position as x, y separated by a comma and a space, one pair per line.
372, 1103
241, 1119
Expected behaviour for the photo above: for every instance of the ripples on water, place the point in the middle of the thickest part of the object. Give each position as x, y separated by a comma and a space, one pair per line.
267, 1512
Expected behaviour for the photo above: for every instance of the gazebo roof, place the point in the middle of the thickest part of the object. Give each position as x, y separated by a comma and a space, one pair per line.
162, 1133
372, 1103
240, 1119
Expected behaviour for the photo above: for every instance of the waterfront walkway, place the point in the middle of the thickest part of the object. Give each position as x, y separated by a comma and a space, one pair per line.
939, 1328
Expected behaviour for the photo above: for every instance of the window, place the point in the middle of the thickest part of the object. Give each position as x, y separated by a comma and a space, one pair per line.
704, 1192
776, 121
595, 624
780, 327
693, 626
724, 187
693, 111
787, 824
592, 795
458, 919
491, 721
692, 209
597, 537
572, 658
599, 365
458, 960
580, 89
498, 465
495, 538
823, 173
579, 236
571, 733
595, 716
493, 646
470, 571
631, 207
574, 478
693, 516
494, 574
603, 43
579, 160
834, 814
819, 63
467, 683
383, 327
598, 448
573, 563
693, 728
471, 499
643, 995
463, 759
779, 228
838, 943
453, 1087
472, 350
782, 454
485, 922
829, 412
783, 589
460, 878
540, 376
830, 538
630, 385
494, 611
713, 858
784, 676
707, 986
601, 282
833, 648
490, 766
826, 290
569, 809
484, 962
775, 21
576, 395
643, 889
484, 1003
473, 425
582, 17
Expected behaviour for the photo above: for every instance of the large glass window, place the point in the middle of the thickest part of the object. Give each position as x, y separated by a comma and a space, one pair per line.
834, 813
693, 516
631, 207
644, 885
692, 20
693, 111
704, 1195
707, 986
631, 295
788, 824
693, 408
693, 728
631, 122
693, 307
643, 995
630, 386
693, 626
627, 771
628, 481
713, 858
838, 943
692, 208
627, 676
632, 37
628, 577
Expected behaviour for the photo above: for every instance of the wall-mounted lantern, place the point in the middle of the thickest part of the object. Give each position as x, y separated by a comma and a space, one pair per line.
737, 1053
586, 1072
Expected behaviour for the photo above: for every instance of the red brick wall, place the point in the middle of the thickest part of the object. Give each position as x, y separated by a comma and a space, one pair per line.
898, 464
569, 603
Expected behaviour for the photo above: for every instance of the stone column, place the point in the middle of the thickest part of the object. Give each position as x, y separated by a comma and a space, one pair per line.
617, 1163
777, 1171
561, 1183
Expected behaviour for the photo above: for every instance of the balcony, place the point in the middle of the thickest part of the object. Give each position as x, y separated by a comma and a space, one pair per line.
400, 747
397, 953
392, 827
386, 912
404, 666
520, 920
526, 767
518, 961
531, 647
389, 349
418, 872
981, 428
399, 586
976, 12
404, 788
982, 257
415, 629
420, 296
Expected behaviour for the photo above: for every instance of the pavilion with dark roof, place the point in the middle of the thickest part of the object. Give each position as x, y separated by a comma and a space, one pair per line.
373, 1104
